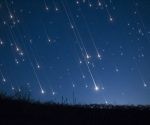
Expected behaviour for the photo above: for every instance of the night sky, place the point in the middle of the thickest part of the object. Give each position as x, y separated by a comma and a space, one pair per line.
94, 51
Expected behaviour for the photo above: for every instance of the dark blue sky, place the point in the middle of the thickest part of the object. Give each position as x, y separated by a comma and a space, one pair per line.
96, 49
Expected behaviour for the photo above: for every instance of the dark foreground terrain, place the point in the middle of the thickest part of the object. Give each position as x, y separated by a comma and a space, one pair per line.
18, 112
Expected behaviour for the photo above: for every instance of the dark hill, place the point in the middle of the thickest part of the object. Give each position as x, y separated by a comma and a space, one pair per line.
19, 112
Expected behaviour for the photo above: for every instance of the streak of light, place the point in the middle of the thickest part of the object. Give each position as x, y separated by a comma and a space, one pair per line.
91, 37
34, 57
78, 37
108, 12
143, 24
9, 11
141, 76
3, 78
74, 31
89, 3
99, 3
33, 68
56, 8
45, 4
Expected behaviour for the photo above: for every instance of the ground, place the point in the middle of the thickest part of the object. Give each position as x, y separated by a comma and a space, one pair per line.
20, 112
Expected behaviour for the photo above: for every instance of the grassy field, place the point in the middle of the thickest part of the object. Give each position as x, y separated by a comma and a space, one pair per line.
20, 112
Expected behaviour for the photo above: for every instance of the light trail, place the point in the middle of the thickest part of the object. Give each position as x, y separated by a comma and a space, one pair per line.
79, 38
91, 37
3, 78
45, 4
108, 12
56, 8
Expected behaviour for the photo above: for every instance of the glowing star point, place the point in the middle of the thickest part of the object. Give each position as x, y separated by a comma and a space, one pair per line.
49, 40
42, 91
117, 70
16, 60
4, 80
96, 88
145, 85
38, 66
46, 8
99, 56
86, 86
17, 49
72, 27
87, 56
53, 93
99, 4
19, 90
4, 22
106, 102
103, 88
1, 42
83, 76
90, 5
77, 2
11, 16
56, 9
80, 62
111, 19
12, 88
73, 85
21, 53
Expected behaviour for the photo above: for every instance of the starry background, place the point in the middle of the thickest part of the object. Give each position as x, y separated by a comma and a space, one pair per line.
91, 51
